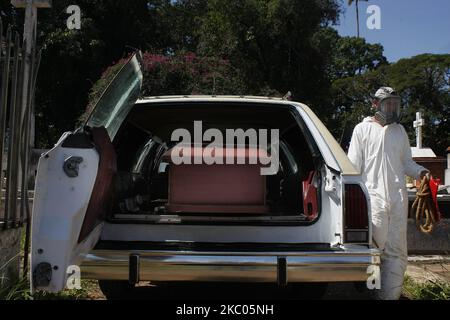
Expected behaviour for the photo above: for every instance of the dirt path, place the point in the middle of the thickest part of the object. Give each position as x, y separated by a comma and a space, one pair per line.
425, 268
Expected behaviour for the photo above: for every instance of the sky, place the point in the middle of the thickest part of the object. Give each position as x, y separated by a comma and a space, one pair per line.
408, 27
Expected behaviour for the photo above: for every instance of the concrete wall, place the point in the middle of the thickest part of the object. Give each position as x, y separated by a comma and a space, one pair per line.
9, 256
438, 242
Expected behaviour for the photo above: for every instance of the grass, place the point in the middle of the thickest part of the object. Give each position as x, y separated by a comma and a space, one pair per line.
430, 290
21, 291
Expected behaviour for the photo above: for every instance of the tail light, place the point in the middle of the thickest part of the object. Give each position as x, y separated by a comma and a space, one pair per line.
356, 215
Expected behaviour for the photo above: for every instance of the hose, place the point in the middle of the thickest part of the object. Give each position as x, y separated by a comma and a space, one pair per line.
423, 207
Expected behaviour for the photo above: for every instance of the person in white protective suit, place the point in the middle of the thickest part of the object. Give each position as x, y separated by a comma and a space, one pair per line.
380, 150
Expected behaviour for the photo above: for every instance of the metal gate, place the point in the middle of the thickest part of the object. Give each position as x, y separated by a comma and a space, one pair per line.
16, 109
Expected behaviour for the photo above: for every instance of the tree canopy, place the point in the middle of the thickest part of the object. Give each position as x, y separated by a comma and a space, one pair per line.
265, 47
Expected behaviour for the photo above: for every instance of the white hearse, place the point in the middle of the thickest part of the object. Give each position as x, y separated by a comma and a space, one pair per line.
110, 199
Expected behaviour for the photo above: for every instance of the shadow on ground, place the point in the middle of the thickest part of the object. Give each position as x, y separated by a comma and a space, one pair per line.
239, 291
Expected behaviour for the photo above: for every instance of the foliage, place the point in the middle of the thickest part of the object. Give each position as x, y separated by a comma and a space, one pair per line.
270, 41
352, 100
17, 291
348, 61
100, 86
20, 288
267, 44
423, 83
21, 291
431, 290
9, 15
347, 56
261, 47
178, 74
188, 73
73, 59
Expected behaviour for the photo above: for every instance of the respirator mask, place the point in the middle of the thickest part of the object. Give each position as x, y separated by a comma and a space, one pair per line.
388, 110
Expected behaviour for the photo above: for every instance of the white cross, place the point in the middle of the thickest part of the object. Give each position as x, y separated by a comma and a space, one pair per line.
418, 124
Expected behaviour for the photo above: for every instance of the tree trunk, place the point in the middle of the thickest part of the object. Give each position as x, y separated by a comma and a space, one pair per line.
357, 18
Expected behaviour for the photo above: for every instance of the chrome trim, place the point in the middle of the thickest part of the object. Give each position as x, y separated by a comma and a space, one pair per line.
346, 264
178, 218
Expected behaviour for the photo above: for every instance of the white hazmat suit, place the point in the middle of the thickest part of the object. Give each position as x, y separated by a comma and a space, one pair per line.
383, 156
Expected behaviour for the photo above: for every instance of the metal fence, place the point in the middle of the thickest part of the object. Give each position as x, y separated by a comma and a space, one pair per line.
16, 109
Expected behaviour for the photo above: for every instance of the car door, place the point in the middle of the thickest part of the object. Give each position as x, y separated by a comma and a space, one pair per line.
73, 185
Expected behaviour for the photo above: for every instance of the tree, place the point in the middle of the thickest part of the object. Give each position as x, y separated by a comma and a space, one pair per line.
422, 81
268, 43
424, 84
73, 59
347, 56
187, 73
10, 16
182, 73
254, 47
352, 100
271, 42
357, 13
183, 20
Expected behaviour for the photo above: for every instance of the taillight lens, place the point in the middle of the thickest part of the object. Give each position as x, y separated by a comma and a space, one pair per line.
356, 215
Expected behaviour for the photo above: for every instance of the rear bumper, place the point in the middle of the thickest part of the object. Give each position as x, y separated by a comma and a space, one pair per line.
322, 266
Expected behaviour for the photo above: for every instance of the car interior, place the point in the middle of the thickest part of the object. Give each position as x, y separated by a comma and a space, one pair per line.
149, 188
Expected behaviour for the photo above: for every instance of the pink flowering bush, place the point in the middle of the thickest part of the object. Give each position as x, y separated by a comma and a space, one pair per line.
101, 85
177, 74
188, 73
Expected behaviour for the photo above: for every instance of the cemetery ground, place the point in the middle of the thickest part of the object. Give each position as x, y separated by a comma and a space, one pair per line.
427, 278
